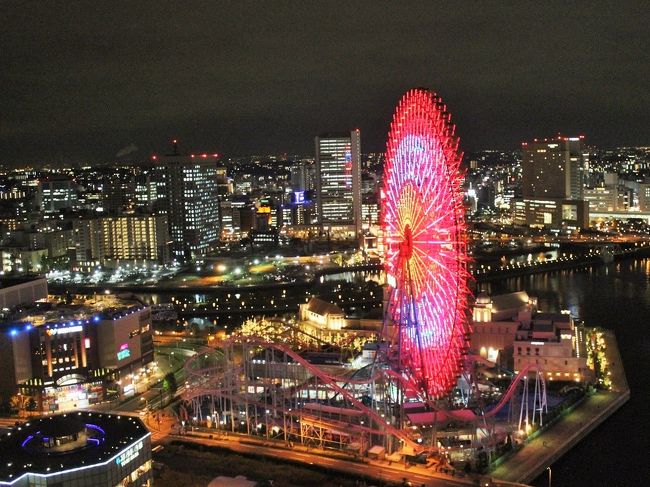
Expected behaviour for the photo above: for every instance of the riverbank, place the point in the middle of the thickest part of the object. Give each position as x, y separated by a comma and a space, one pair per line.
542, 451
586, 261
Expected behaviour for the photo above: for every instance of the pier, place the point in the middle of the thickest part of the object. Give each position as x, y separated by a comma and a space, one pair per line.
545, 448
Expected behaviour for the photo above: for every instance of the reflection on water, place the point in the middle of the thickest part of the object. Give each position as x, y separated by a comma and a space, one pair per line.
358, 276
583, 291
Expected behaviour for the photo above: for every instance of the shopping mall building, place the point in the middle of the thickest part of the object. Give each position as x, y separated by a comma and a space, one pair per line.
71, 352
82, 449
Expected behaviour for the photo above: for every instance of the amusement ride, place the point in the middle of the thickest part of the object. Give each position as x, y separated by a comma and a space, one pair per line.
405, 398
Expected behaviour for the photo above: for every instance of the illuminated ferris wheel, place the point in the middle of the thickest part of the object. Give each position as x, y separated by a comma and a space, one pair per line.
425, 243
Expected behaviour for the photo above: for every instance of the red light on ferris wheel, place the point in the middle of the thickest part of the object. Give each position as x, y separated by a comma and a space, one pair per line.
425, 242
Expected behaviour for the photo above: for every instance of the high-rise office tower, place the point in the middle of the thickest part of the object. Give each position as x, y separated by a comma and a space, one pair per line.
191, 203
302, 176
553, 184
57, 193
554, 168
338, 180
119, 194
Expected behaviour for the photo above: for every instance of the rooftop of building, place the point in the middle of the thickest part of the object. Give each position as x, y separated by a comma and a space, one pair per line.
551, 318
554, 140
68, 312
543, 327
322, 307
334, 135
25, 449
9, 281
508, 301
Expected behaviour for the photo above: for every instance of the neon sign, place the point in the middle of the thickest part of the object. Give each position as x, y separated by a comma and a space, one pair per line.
129, 455
124, 352
63, 331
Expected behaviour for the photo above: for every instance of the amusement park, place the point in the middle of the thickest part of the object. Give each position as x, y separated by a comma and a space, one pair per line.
445, 379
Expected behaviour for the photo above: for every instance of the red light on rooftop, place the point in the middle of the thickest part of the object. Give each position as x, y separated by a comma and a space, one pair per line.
215, 155
192, 156
204, 156
154, 157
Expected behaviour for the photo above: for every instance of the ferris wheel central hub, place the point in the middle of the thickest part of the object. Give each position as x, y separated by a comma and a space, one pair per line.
406, 249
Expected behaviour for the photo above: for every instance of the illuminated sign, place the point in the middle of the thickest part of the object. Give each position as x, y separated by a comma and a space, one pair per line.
124, 352
121, 355
264, 209
63, 331
129, 455
299, 197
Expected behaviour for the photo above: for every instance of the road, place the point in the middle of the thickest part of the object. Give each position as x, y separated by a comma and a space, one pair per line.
169, 358
395, 473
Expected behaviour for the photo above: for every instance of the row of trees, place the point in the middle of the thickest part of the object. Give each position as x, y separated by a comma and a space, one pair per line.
18, 404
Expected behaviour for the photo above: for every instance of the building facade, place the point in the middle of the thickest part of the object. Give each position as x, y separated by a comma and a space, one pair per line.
602, 198
552, 183
98, 241
67, 355
338, 180
509, 330
191, 203
554, 213
57, 193
554, 168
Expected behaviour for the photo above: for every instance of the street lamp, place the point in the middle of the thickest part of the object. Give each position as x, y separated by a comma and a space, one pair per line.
550, 475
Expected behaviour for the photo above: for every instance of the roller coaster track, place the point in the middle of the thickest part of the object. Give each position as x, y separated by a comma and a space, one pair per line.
330, 381
208, 383
469, 415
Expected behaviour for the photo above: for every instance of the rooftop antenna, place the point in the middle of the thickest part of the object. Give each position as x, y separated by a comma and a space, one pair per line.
175, 147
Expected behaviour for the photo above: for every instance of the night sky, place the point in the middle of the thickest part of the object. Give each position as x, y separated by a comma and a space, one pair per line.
86, 81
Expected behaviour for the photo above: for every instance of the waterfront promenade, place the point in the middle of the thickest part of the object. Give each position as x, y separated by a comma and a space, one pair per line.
540, 452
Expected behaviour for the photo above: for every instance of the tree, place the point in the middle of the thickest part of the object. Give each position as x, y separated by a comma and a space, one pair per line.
170, 384
16, 403
31, 404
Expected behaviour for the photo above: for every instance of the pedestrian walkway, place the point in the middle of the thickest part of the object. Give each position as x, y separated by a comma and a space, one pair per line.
542, 451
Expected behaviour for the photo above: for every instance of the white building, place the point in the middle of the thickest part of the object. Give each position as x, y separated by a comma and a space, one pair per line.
509, 330
552, 344
338, 180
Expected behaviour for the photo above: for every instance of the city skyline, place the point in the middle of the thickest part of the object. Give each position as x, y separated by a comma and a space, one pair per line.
324, 243
244, 79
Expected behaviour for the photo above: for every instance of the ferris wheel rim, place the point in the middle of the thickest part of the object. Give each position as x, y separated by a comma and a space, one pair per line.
424, 238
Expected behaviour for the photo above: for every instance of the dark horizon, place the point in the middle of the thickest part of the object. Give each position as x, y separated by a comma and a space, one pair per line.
83, 82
